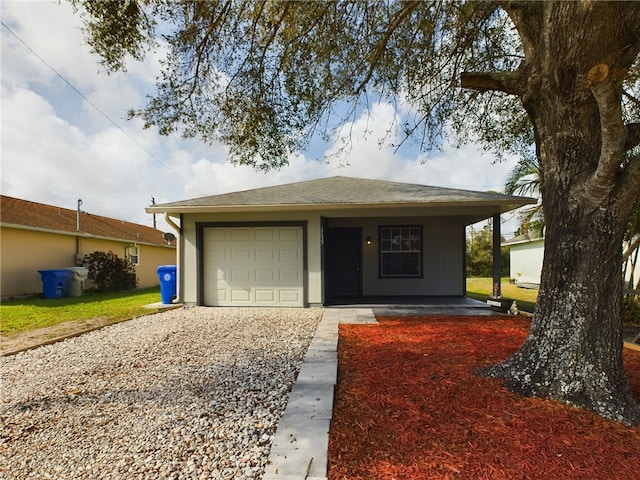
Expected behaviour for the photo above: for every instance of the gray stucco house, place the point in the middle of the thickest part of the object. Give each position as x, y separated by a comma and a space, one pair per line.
326, 241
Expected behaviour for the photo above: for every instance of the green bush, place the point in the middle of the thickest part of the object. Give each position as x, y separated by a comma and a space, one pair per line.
109, 272
630, 309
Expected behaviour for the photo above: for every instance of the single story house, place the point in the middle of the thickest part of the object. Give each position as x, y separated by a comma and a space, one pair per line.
525, 260
36, 237
326, 241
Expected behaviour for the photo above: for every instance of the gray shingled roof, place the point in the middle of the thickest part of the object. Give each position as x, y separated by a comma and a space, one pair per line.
343, 191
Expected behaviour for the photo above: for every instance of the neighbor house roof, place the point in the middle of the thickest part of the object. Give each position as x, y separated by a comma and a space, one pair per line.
23, 214
522, 239
343, 192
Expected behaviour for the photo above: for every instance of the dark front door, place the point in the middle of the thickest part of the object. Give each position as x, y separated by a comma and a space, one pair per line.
343, 264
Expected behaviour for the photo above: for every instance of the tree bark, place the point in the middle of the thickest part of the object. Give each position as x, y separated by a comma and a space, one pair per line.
573, 352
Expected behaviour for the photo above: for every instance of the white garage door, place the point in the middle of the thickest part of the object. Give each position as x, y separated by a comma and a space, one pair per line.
261, 266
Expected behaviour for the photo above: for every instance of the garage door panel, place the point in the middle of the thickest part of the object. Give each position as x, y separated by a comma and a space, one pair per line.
240, 234
265, 296
265, 234
219, 274
218, 255
265, 255
239, 295
241, 255
222, 295
216, 235
289, 275
289, 297
289, 255
240, 275
289, 234
253, 266
264, 275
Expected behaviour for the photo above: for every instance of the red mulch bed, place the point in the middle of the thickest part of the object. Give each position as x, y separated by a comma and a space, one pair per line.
409, 406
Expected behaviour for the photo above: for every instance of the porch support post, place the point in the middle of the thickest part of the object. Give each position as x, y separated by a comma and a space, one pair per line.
497, 291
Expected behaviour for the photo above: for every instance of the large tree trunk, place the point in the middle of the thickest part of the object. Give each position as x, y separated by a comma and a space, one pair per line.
574, 349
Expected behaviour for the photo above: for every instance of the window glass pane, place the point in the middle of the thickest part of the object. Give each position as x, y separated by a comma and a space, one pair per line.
397, 242
132, 254
401, 251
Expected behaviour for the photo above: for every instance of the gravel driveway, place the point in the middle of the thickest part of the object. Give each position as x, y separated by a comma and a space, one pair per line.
191, 393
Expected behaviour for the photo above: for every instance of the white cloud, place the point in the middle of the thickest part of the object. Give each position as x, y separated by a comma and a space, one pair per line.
51, 30
371, 156
57, 148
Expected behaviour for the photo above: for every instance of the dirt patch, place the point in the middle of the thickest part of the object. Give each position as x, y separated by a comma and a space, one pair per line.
11, 344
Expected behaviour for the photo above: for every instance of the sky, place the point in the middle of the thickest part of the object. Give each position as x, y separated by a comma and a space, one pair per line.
65, 135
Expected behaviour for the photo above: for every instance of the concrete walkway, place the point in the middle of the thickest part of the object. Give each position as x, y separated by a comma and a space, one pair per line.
299, 448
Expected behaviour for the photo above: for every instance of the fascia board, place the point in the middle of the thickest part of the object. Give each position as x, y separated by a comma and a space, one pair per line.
498, 207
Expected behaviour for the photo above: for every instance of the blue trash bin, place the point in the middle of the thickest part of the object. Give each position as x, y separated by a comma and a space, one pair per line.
167, 276
53, 283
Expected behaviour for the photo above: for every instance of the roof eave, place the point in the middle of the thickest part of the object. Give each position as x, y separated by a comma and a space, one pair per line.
510, 243
499, 206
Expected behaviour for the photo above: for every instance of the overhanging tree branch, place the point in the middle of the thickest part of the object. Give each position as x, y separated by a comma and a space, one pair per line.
512, 83
612, 130
400, 16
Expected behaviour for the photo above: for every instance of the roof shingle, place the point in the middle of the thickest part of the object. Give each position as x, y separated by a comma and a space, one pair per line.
346, 191
23, 213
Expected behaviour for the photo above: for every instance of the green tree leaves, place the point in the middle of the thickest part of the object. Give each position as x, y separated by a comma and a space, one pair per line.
480, 254
265, 76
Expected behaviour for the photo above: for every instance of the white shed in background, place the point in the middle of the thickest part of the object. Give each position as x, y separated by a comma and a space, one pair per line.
525, 265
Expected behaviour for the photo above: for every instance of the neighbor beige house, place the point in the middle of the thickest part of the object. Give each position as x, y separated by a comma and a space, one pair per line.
34, 236
327, 241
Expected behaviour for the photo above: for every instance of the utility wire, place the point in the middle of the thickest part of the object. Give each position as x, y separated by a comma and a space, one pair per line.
99, 110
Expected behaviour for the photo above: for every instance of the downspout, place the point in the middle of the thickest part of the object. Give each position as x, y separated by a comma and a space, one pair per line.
171, 223
178, 230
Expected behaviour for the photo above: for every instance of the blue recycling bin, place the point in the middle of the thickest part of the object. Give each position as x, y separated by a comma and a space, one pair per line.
167, 276
53, 283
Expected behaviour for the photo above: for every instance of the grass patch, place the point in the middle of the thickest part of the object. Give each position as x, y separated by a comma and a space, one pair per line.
481, 289
22, 315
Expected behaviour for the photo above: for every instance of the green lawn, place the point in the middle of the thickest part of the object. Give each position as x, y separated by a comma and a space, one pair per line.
31, 313
481, 288
28, 314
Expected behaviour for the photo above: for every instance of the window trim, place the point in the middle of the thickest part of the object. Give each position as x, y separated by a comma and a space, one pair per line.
419, 251
130, 256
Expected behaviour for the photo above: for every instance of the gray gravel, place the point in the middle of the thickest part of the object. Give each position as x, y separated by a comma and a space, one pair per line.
194, 393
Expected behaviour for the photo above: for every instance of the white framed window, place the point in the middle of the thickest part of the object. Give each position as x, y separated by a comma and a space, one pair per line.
133, 254
400, 251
